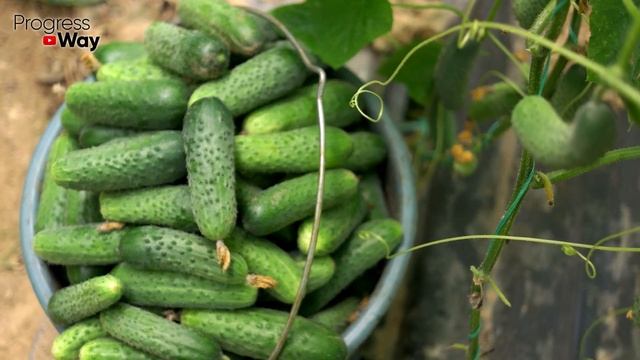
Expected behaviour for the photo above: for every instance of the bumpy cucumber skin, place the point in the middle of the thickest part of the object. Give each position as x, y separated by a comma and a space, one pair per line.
369, 150
294, 151
209, 145
189, 53
156, 248
594, 133
245, 33
336, 317
66, 346
85, 299
147, 159
134, 70
155, 335
80, 273
322, 270
369, 244
119, 51
245, 191
176, 290
254, 333
94, 135
452, 71
335, 226
527, 11
71, 122
168, 206
300, 110
256, 82
106, 348
572, 83
78, 245
143, 104
499, 101
294, 199
373, 194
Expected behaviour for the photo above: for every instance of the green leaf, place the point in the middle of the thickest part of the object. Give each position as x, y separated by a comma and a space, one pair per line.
335, 30
417, 72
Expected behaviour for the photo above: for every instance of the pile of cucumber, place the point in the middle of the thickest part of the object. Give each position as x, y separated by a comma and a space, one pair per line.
180, 197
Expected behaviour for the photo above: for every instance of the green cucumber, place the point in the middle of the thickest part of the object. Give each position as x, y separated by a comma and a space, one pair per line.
66, 346
244, 32
569, 95
71, 122
175, 290
337, 317
322, 270
78, 245
595, 131
254, 333
94, 135
208, 142
499, 100
155, 335
142, 104
294, 151
147, 159
527, 11
370, 243
245, 191
256, 82
335, 226
134, 70
79, 273
156, 248
369, 150
190, 53
452, 71
294, 199
118, 51
106, 348
300, 110
85, 299
374, 197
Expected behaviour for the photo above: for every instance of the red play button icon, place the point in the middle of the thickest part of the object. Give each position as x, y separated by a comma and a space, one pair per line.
49, 40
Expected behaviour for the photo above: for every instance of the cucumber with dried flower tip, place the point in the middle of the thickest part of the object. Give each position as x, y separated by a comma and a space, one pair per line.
85, 299
254, 333
370, 243
300, 110
190, 53
118, 51
157, 248
452, 71
337, 316
374, 197
94, 135
140, 104
209, 146
106, 348
369, 150
146, 159
176, 290
322, 270
156, 335
134, 70
79, 273
66, 346
294, 199
294, 151
78, 245
335, 226
71, 122
256, 82
245, 33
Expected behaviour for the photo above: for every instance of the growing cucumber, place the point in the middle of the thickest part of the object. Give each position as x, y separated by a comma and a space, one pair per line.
452, 71
134, 70
85, 299
527, 11
71, 122
143, 160
322, 270
105, 348
256, 82
209, 145
499, 100
176, 290
300, 110
118, 51
254, 333
335, 226
369, 244
369, 150
190, 53
142, 104
156, 248
373, 195
155, 335
79, 273
594, 132
337, 317
94, 135
294, 151
294, 199
244, 32
568, 94
78, 245
66, 346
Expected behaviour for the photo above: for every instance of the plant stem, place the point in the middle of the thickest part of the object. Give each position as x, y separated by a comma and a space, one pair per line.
630, 44
432, 6
494, 10
562, 61
535, 73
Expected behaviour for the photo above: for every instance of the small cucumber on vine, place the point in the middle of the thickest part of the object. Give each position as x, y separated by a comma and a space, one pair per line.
557, 144
527, 11
85, 299
66, 346
568, 96
119, 51
497, 100
451, 74
105, 348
